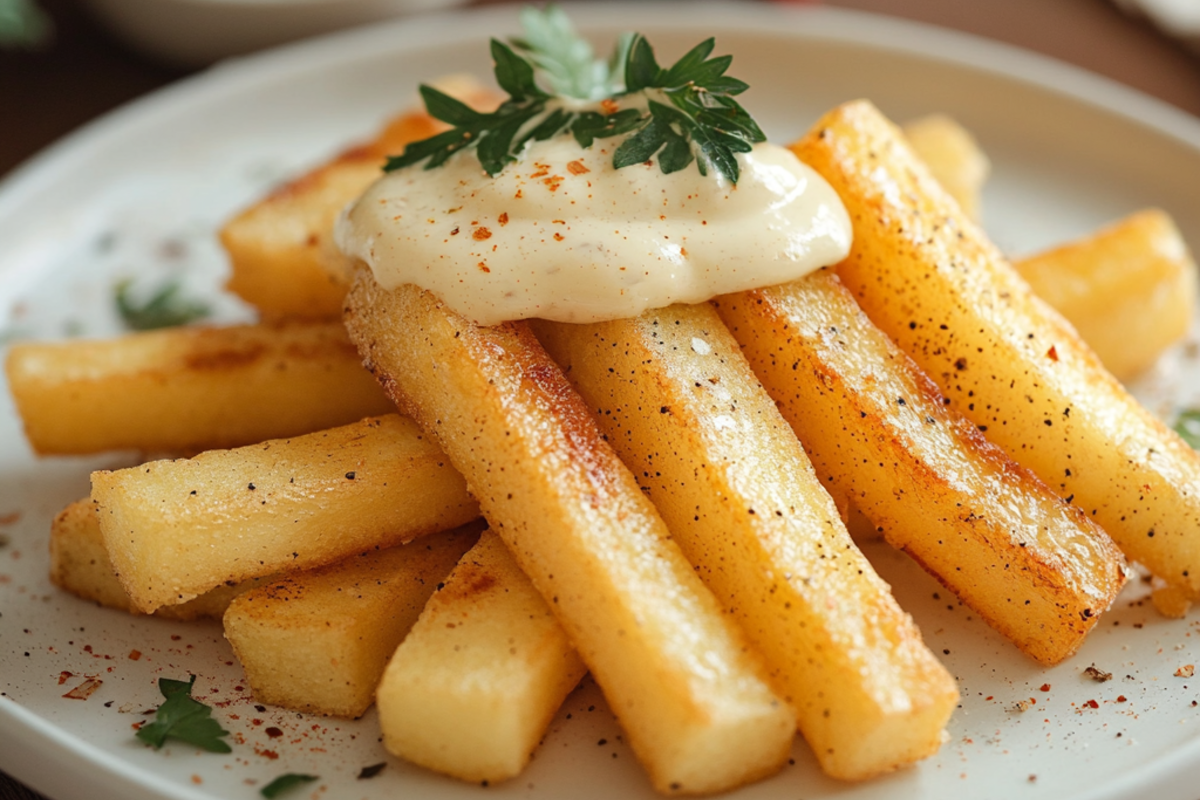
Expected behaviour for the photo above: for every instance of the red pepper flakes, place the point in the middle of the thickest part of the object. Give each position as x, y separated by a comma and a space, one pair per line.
1045, 687
577, 168
1092, 704
1121, 698
1052, 353
64, 676
273, 732
503, 218
84, 690
481, 234
135, 655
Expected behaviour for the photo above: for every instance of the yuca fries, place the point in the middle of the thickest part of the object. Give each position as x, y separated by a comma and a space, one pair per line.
877, 430
281, 505
953, 157
282, 258
676, 399
79, 564
318, 640
674, 669
473, 686
190, 389
928, 277
1128, 289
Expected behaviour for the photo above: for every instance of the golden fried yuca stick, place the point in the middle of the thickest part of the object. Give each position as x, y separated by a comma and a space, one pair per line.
1129, 289
79, 564
930, 279
280, 249
175, 529
953, 156
678, 402
318, 640
674, 669
876, 428
473, 686
190, 389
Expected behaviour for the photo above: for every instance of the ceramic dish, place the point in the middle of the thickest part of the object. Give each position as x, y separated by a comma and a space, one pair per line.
140, 193
193, 33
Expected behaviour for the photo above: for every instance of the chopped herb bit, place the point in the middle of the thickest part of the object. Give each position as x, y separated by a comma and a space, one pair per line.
371, 771
690, 116
1188, 427
166, 308
285, 783
183, 718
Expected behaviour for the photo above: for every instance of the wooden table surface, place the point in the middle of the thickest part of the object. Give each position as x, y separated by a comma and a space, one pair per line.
46, 94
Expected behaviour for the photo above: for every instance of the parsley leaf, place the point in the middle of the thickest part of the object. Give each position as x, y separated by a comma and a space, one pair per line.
183, 718
166, 308
690, 115
285, 783
1188, 427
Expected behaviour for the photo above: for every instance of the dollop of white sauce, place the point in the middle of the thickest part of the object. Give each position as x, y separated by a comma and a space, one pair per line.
562, 235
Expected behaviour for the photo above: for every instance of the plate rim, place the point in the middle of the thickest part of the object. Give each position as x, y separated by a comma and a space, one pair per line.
29, 744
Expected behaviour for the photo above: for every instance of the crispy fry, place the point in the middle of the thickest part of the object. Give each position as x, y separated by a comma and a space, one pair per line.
190, 389
673, 668
281, 253
477, 680
176, 529
677, 400
318, 640
954, 158
930, 279
79, 564
877, 430
1129, 289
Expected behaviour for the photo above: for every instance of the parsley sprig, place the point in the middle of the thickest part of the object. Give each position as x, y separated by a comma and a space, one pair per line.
285, 783
184, 718
167, 307
690, 113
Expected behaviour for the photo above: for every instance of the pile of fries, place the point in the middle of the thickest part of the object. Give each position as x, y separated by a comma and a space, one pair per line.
666, 497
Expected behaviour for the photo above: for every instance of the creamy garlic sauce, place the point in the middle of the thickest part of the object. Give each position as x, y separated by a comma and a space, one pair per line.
562, 235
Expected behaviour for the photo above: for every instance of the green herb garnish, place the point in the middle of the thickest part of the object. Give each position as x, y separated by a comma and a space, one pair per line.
166, 308
1187, 425
690, 114
286, 783
183, 718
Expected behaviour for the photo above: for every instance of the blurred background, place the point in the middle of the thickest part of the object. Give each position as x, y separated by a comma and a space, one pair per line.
66, 62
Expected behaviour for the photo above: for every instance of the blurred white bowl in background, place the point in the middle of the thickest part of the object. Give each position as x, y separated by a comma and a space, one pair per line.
195, 33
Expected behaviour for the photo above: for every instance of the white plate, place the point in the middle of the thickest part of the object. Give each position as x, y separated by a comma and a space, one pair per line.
141, 193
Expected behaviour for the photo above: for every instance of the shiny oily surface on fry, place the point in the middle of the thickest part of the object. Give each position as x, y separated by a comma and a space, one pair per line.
1129, 289
470, 691
930, 279
677, 400
1035, 568
674, 670
284, 504
183, 390
318, 640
